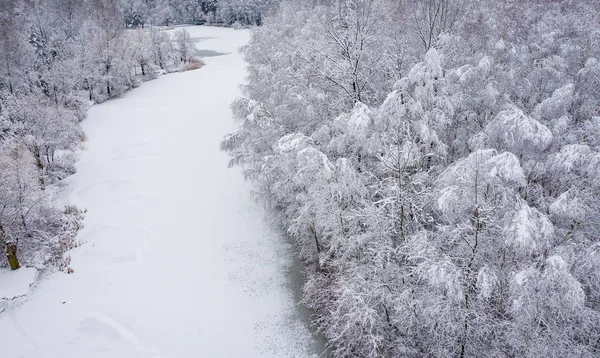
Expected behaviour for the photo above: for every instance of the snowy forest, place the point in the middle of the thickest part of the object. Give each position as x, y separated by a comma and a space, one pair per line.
437, 164
227, 12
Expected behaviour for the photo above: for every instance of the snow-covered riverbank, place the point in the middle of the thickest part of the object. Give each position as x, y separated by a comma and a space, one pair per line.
176, 259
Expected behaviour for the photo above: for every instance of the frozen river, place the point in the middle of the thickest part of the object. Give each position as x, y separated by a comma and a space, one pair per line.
176, 259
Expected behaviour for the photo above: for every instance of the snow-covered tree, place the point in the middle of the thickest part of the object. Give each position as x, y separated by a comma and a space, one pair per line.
161, 48
185, 45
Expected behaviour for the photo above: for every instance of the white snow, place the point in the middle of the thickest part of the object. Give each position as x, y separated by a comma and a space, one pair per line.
293, 142
177, 260
14, 284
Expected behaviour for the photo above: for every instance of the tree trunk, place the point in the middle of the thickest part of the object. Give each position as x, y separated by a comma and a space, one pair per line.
10, 250
314, 232
10, 86
11, 255
40, 165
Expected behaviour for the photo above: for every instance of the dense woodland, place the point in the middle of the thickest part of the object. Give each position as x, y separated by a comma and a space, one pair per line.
227, 12
437, 163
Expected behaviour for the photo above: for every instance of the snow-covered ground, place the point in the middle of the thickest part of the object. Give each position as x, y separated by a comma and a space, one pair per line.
15, 284
176, 259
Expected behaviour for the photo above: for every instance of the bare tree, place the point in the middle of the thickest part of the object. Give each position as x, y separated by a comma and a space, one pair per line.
434, 17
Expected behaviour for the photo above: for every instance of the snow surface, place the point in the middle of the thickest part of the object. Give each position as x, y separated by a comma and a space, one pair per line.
177, 260
14, 284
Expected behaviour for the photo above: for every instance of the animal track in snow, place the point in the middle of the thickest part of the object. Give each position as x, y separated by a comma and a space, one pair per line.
98, 325
137, 150
132, 242
106, 189
128, 257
